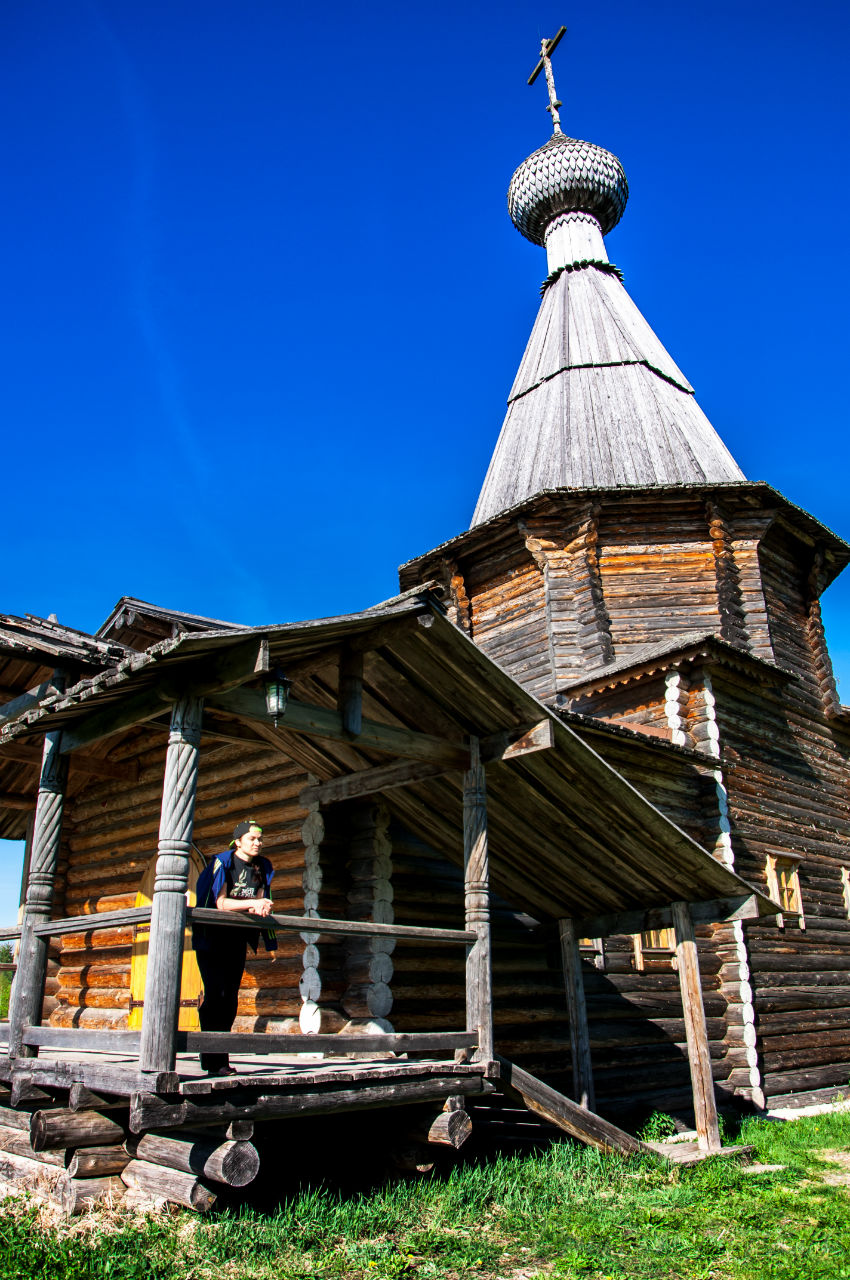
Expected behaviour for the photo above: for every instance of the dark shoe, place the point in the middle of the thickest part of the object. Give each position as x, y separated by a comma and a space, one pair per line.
223, 1071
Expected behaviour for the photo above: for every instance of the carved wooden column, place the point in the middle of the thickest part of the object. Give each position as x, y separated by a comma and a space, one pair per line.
696, 1032
479, 981
28, 989
577, 1009
168, 909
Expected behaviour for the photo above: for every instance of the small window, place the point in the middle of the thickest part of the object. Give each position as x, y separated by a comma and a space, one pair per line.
783, 883
654, 944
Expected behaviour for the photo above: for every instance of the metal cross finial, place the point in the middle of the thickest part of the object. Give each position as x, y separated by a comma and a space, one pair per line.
547, 48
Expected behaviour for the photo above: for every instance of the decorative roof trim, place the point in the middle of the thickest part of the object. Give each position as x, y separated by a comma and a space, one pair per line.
709, 647
607, 267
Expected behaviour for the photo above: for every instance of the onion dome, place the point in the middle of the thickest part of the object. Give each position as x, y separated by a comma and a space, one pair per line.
566, 176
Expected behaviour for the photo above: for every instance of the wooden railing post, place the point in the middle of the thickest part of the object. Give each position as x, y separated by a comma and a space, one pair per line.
577, 1010
479, 982
27, 995
699, 1056
168, 906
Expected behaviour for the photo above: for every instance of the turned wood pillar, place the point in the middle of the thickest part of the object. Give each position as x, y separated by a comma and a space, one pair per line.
699, 1056
28, 989
577, 1010
479, 983
168, 908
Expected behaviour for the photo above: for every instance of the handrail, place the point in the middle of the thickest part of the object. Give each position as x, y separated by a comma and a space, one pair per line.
11, 934
230, 919
95, 920
337, 928
256, 1042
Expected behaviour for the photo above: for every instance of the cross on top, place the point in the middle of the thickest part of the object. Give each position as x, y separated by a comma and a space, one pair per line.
547, 48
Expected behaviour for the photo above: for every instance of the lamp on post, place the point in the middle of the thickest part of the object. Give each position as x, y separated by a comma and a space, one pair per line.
277, 689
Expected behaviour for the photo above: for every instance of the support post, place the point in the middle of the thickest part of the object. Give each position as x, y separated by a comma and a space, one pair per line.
702, 1083
168, 907
351, 691
479, 982
28, 989
577, 1010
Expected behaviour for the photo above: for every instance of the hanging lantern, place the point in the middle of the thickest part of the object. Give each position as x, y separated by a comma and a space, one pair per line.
277, 694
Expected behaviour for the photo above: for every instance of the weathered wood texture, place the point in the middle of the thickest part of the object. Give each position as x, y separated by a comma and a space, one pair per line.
664, 565
233, 1163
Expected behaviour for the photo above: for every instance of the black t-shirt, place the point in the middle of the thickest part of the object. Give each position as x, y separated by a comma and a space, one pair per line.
244, 880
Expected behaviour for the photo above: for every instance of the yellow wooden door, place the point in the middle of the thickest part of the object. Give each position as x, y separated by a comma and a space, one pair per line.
190, 983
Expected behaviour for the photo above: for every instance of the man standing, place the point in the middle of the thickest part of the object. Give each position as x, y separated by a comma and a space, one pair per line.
236, 880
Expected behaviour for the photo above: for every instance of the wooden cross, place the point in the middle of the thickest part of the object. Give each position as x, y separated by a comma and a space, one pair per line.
547, 48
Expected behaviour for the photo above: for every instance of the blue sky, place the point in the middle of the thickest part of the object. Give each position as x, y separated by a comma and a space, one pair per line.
262, 302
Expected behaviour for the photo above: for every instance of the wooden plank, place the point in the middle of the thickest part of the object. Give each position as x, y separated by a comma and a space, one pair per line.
563, 1112
479, 978
745, 907
151, 1112
699, 1056
301, 717
168, 908
333, 928
577, 1011
120, 1079
366, 782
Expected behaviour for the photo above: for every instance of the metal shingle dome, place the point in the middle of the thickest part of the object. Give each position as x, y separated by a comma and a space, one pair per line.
566, 175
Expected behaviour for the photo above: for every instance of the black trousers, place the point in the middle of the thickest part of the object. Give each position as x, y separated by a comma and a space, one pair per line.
221, 972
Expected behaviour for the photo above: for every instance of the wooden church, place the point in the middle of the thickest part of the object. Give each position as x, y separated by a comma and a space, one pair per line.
560, 832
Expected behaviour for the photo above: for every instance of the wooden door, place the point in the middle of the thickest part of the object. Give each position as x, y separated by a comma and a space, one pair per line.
190, 984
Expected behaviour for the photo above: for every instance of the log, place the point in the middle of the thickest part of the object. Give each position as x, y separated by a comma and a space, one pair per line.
448, 1129
65, 1128
76, 1194
97, 1162
699, 1057
29, 1173
233, 1163
168, 1184
17, 1142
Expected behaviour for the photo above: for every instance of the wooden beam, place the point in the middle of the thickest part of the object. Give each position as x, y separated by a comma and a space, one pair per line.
128, 1042
31, 698
322, 722
366, 782
135, 709
10, 801
563, 1112
511, 743
151, 1112
696, 1032
577, 1010
476, 872
80, 763
168, 907
350, 698
746, 907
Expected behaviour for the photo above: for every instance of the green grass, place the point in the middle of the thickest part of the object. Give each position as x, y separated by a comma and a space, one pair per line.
566, 1213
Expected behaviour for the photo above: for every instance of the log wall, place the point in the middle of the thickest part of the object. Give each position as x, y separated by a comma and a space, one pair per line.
110, 837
